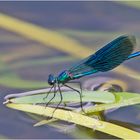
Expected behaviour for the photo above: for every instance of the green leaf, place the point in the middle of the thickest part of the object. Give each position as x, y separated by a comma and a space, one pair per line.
122, 99
69, 96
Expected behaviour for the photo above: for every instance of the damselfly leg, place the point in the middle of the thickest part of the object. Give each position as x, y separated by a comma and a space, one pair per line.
80, 94
48, 93
53, 95
61, 99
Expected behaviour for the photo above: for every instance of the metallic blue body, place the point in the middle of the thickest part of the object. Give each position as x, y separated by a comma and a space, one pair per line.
105, 59
133, 55
63, 77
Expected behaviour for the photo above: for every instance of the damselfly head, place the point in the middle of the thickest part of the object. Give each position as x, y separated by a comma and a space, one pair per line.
51, 79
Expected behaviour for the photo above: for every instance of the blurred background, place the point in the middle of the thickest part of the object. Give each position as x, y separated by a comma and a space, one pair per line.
39, 38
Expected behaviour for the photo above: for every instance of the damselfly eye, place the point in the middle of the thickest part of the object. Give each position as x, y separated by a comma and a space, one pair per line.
51, 79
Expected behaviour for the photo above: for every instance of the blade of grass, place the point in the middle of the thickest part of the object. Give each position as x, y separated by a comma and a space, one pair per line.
79, 119
45, 122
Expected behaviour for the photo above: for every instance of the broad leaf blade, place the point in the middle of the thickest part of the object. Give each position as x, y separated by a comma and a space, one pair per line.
69, 96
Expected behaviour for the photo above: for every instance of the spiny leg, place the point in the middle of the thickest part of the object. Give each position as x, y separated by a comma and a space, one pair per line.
48, 93
53, 95
61, 98
51, 100
81, 103
78, 83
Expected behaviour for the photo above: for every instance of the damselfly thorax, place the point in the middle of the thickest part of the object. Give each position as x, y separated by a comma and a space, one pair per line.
105, 59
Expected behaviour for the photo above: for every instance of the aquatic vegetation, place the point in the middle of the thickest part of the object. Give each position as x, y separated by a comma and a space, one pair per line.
104, 101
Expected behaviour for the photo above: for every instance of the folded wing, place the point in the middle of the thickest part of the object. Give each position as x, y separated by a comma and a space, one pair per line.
107, 58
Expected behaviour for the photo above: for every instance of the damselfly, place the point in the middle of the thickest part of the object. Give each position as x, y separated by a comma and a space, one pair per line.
105, 59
